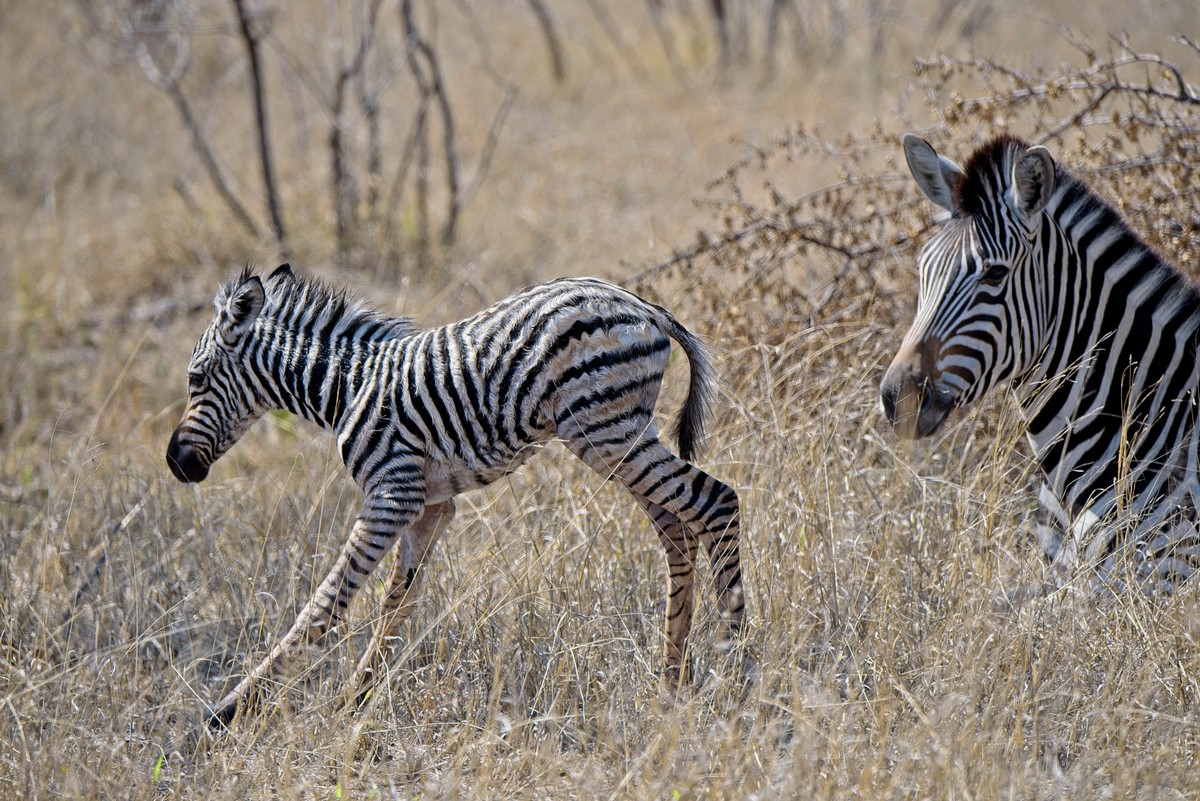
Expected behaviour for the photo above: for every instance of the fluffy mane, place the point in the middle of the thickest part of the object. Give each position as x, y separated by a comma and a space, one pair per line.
291, 296
988, 173
989, 164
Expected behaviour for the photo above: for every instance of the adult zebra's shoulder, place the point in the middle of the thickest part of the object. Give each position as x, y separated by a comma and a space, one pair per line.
1037, 279
421, 415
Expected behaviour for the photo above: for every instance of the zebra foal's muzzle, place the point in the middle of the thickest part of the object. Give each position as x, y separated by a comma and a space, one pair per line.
186, 463
912, 401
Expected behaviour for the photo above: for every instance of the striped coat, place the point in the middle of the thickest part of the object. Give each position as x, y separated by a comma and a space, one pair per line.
421, 415
1037, 280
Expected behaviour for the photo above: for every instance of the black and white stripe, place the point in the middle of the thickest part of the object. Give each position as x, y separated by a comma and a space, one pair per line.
421, 415
1036, 278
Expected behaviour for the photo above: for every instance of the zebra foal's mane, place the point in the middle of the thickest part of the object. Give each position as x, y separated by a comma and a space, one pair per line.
290, 297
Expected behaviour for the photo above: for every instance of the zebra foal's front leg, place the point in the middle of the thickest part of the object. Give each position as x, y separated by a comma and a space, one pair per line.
383, 517
399, 599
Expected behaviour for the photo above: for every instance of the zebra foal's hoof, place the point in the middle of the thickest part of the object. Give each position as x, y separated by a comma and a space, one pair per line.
220, 719
676, 676
365, 683
736, 667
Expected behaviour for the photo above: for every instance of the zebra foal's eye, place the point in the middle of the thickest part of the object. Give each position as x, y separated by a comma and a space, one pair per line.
197, 381
994, 274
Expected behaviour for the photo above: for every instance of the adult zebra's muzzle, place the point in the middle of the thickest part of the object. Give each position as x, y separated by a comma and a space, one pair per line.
186, 463
913, 403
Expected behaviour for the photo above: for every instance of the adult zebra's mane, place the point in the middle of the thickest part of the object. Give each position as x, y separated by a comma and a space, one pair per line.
987, 173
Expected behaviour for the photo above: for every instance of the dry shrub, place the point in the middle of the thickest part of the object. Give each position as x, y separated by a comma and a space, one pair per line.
1125, 121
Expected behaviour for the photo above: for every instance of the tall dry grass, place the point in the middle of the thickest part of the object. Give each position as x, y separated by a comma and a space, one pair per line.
889, 663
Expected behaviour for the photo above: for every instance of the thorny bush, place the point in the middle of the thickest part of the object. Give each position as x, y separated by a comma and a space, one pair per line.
1125, 121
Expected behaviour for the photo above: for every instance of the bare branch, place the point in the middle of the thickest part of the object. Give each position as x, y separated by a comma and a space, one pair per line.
489, 145
428, 77
169, 84
345, 195
183, 59
627, 54
251, 38
200, 144
407, 156
546, 23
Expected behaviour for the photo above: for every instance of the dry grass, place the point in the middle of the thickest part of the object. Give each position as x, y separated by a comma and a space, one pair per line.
888, 664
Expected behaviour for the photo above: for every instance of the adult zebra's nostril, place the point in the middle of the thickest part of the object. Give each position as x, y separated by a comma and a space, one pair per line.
927, 396
913, 403
887, 399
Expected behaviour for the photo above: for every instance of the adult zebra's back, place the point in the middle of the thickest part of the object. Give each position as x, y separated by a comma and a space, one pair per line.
1035, 278
422, 415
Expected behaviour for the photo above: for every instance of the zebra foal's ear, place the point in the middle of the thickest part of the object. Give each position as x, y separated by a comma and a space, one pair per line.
282, 271
934, 174
238, 309
1033, 181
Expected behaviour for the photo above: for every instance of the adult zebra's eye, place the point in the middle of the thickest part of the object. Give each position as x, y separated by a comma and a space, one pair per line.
994, 274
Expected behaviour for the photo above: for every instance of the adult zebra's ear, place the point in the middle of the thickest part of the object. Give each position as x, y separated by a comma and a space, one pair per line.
1033, 181
935, 175
237, 311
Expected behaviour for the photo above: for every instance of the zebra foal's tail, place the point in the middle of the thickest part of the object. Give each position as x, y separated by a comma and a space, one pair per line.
688, 429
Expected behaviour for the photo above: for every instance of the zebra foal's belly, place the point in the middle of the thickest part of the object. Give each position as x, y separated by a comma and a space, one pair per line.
450, 475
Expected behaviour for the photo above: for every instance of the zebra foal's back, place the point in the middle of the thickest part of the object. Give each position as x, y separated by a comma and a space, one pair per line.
423, 414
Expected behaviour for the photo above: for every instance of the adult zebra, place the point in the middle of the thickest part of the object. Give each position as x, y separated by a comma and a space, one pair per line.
1035, 278
421, 415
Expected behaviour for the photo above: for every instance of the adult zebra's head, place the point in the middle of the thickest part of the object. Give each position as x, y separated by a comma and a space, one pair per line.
222, 400
981, 306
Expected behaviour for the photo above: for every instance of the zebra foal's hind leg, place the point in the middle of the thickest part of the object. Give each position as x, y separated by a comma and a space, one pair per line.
399, 598
680, 547
677, 496
707, 507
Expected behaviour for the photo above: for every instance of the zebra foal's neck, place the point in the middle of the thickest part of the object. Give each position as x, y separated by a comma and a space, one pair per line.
310, 347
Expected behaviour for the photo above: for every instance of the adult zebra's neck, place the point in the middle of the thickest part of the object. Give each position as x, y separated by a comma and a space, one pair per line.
310, 345
1119, 325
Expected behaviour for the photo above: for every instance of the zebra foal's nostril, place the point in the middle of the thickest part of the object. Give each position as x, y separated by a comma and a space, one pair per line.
185, 463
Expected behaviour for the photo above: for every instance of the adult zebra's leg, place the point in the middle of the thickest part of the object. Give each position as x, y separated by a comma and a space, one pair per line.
399, 598
383, 517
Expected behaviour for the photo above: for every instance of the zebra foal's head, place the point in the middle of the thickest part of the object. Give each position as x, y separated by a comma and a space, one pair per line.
980, 307
222, 398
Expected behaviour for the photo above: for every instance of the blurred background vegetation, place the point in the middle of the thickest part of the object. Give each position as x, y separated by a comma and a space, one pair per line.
736, 160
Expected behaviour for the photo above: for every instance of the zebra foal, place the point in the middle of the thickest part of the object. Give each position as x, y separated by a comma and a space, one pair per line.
421, 415
1036, 279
